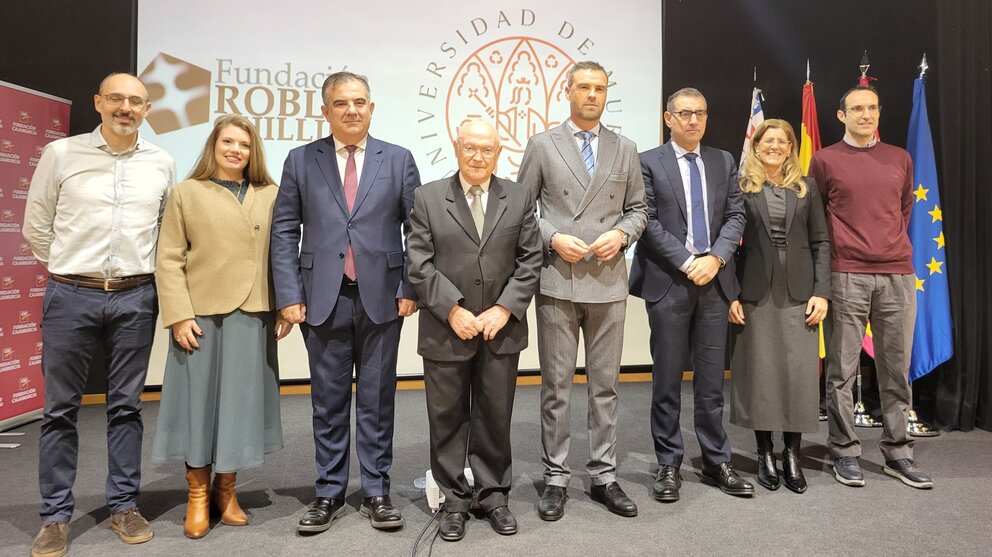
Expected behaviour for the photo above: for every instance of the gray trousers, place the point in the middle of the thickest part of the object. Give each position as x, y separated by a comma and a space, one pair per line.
889, 301
559, 322
76, 323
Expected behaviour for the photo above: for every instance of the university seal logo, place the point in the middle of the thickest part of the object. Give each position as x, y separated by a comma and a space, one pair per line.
518, 83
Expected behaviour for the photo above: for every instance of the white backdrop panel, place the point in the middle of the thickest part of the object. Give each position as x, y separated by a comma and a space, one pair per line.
430, 66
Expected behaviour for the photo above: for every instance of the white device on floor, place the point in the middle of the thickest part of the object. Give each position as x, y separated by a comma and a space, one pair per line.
434, 496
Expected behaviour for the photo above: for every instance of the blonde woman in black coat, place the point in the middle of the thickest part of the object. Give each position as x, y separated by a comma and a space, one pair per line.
784, 271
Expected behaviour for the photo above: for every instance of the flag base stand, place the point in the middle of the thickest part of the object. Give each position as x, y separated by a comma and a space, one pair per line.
863, 418
916, 428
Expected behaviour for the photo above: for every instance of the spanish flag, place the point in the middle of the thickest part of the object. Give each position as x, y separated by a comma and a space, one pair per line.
809, 140
809, 143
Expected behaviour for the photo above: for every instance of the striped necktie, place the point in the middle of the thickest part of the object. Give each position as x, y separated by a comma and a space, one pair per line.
587, 155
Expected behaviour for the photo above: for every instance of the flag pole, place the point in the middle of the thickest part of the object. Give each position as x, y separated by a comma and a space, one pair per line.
914, 426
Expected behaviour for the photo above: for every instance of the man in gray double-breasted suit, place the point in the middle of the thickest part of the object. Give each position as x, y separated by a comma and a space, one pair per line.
474, 265
590, 193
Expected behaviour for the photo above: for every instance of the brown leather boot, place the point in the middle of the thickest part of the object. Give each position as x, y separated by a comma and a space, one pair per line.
226, 499
198, 508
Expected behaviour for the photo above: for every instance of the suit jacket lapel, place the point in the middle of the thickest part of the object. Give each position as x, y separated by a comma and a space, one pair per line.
459, 209
607, 151
671, 168
791, 200
565, 143
713, 162
761, 204
370, 168
327, 162
495, 207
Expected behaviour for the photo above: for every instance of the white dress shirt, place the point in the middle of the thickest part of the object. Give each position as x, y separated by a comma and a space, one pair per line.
342, 153
94, 212
578, 140
687, 188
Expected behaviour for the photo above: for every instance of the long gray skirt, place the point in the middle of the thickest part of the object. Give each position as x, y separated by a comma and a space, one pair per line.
774, 367
220, 404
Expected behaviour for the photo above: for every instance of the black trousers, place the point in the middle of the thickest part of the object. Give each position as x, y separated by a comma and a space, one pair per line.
469, 406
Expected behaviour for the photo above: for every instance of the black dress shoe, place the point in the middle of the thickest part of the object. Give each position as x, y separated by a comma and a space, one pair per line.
726, 478
666, 486
381, 512
321, 513
614, 498
502, 521
452, 526
552, 504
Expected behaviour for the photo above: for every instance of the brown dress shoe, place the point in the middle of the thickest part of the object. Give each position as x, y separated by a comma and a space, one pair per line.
52, 540
225, 498
198, 507
130, 526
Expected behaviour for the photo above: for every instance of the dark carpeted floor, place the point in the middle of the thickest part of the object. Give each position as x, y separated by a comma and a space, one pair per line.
883, 518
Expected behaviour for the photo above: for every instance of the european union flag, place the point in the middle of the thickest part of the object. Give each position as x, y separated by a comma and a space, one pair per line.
933, 340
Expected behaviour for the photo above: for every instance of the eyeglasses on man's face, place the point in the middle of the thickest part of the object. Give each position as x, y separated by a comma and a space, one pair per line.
471, 150
859, 109
114, 100
686, 115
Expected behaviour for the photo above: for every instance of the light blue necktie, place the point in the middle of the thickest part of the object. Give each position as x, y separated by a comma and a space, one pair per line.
587, 156
700, 235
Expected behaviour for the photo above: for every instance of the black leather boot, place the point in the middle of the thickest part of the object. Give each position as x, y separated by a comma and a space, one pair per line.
767, 472
791, 471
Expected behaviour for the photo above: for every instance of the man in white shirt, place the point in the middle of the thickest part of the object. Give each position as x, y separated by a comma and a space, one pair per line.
695, 221
337, 268
92, 219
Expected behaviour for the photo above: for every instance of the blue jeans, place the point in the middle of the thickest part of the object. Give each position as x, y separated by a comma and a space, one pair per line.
78, 323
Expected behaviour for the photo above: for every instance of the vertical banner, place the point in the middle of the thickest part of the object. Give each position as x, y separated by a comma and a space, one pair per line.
28, 121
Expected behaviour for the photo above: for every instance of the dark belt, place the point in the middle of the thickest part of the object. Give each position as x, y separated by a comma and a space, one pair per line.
107, 285
345, 281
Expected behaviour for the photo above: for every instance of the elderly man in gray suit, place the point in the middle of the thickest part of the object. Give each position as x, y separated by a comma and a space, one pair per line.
590, 192
473, 256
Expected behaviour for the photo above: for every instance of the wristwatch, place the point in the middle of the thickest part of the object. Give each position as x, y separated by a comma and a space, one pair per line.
624, 237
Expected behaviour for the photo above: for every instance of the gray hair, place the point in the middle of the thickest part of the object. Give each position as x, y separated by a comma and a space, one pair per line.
584, 65
683, 92
338, 78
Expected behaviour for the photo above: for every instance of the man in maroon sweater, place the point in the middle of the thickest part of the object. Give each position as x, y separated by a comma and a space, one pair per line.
867, 192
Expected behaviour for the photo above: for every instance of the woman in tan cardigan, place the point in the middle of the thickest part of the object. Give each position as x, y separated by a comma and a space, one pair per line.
220, 394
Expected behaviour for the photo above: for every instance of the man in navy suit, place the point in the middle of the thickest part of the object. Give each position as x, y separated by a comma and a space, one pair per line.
695, 221
351, 195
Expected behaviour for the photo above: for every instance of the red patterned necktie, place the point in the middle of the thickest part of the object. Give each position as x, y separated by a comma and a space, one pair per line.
350, 193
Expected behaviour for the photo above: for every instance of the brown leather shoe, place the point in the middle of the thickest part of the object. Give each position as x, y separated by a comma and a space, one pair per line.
225, 498
130, 526
52, 540
198, 507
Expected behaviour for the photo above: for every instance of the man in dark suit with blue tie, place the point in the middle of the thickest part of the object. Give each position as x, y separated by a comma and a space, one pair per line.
348, 197
695, 221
